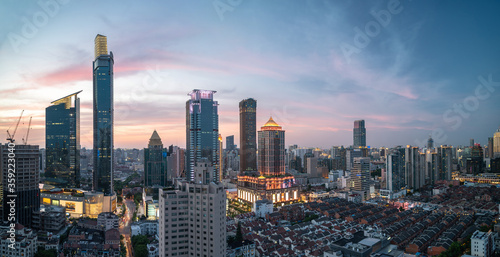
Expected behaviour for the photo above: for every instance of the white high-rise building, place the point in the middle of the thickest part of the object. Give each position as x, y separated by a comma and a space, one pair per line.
193, 218
482, 244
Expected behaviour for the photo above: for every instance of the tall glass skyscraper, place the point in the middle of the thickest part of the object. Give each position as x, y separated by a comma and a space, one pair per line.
62, 142
248, 138
103, 117
202, 132
155, 162
359, 132
396, 166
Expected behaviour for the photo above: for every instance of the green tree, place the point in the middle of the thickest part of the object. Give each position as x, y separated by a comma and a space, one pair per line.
239, 235
141, 251
45, 253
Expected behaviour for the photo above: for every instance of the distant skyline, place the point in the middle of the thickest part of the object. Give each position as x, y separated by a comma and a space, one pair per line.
408, 73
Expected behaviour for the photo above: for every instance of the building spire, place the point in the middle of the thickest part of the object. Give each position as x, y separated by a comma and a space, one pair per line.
155, 139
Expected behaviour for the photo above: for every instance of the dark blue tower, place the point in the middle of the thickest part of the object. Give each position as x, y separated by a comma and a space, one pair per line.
103, 117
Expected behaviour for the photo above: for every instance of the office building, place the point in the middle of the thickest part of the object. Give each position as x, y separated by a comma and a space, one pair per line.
496, 144
444, 162
202, 132
430, 143
396, 161
248, 138
62, 142
221, 154
490, 152
193, 218
474, 164
27, 193
359, 133
155, 162
273, 183
414, 168
432, 167
360, 177
230, 143
103, 117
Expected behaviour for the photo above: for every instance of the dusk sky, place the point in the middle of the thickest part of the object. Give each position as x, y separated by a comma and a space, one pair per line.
407, 68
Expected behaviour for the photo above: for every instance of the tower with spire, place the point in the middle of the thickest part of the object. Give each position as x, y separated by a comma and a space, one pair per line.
272, 182
155, 162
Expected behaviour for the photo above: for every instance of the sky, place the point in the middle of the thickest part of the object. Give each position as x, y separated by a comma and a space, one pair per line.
410, 69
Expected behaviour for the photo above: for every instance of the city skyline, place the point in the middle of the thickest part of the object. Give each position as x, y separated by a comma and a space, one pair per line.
397, 83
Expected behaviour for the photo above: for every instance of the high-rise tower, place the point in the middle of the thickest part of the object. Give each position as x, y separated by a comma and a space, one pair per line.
155, 162
359, 133
271, 149
273, 183
202, 132
248, 139
496, 144
62, 142
103, 117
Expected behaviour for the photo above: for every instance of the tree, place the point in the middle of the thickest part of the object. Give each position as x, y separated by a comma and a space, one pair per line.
45, 253
141, 251
401, 209
239, 235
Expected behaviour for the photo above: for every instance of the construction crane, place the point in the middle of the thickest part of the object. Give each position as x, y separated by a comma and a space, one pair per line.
25, 140
10, 137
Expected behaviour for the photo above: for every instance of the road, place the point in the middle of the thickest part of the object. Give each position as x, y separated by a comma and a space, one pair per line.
125, 225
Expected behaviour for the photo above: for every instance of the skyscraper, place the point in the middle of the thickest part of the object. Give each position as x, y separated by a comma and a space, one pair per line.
360, 175
248, 139
193, 218
62, 142
496, 144
273, 183
430, 143
202, 132
396, 180
26, 193
414, 168
103, 117
359, 133
230, 143
490, 148
155, 162
444, 163
271, 149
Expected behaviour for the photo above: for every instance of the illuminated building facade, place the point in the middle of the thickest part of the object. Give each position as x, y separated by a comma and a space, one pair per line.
202, 132
359, 133
396, 170
62, 142
103, 117
78, 203
496, 144
248, 139
273, 183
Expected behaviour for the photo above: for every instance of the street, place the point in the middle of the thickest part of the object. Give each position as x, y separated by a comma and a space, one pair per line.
125, 225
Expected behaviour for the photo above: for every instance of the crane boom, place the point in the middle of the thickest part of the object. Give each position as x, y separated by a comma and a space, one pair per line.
25, 140
10, 137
